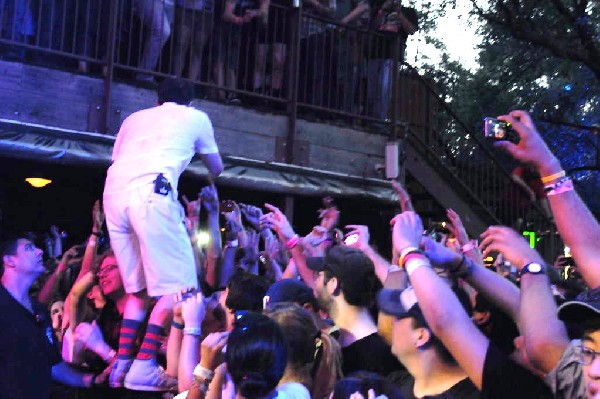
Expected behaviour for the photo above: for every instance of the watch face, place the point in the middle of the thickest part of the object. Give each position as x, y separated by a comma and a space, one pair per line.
534, 268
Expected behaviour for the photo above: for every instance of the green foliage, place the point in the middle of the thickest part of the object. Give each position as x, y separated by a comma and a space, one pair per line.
535, 55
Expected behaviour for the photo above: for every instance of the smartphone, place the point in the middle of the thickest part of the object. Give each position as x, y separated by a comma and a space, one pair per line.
227, 206
351, 239
497, 130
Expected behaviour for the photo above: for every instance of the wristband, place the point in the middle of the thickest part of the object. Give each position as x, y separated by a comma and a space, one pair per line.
195, 331
561, 187
548, 179
413, 255
415, 263
176, 325
61, 267
406, 251
202, 374
469, 246
292, 242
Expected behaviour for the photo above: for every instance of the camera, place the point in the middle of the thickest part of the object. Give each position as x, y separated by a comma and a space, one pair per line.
227, 206
498, 130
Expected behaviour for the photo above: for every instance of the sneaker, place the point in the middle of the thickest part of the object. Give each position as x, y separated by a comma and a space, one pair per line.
147, 375
119, 368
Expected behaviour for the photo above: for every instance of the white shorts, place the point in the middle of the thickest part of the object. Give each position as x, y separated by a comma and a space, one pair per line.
150, 241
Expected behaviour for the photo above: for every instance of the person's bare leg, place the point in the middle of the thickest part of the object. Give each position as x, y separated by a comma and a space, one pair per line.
279, 55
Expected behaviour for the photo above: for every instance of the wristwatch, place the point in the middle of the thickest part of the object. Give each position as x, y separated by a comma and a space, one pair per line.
533, 268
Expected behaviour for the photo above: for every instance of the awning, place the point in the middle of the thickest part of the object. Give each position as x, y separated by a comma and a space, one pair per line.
41, 143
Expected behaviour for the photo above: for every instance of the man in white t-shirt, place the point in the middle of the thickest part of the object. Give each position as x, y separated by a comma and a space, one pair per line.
145, 222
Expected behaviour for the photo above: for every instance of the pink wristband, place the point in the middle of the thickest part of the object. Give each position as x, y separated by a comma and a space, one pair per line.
413, 255
292, 242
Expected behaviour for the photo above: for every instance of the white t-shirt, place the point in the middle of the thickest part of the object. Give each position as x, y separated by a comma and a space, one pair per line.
157, 140
292, 390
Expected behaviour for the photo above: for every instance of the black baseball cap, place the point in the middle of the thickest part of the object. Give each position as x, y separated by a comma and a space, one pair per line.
289, 290
585, 307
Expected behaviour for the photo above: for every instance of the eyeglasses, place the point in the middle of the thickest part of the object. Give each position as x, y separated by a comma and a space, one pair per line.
105, 270
586, 355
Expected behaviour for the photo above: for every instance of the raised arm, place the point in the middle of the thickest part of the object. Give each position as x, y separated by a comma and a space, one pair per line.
210, 201
277, 221
571, 215
362, 242
501, 292
545, 335
441, 308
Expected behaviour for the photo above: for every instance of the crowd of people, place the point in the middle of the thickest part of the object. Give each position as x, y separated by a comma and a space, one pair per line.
144, 307
233, 44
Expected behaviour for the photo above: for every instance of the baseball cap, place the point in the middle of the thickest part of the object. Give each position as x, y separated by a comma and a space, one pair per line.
585, 307
353, 269
289, 290
399, 303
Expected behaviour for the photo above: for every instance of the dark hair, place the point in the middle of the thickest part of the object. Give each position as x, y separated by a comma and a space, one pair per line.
9, 246
362, 381
246, 291
175, 90
256, 355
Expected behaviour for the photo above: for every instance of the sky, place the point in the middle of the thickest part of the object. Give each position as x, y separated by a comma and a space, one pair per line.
454, 31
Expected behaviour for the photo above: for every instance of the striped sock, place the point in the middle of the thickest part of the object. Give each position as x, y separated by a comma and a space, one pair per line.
127, 337
151, 342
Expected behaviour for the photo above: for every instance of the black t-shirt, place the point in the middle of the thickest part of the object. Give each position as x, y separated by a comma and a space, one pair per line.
505, 379
464, 389
28, 349
370, 353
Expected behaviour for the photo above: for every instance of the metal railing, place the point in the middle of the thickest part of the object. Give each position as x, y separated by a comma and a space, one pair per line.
291, 59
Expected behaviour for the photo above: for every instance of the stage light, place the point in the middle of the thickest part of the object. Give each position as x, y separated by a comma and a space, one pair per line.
38, 182
202, 238
567, 87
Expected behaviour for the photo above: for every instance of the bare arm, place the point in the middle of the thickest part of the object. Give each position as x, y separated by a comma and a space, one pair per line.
442, 310
356, 12
213, 163
193, 312
277, 221
545, 335
362, 242
571, 215
210, 201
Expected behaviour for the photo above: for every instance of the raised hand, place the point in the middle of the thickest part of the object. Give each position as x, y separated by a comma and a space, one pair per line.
192, 208
97, 217
277, 221
510, 244
403, 196
210, 198
531, 148
362, 236
90, 335
193, 310
439, 255
211, 349
252, 215
456, 227
407, 231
